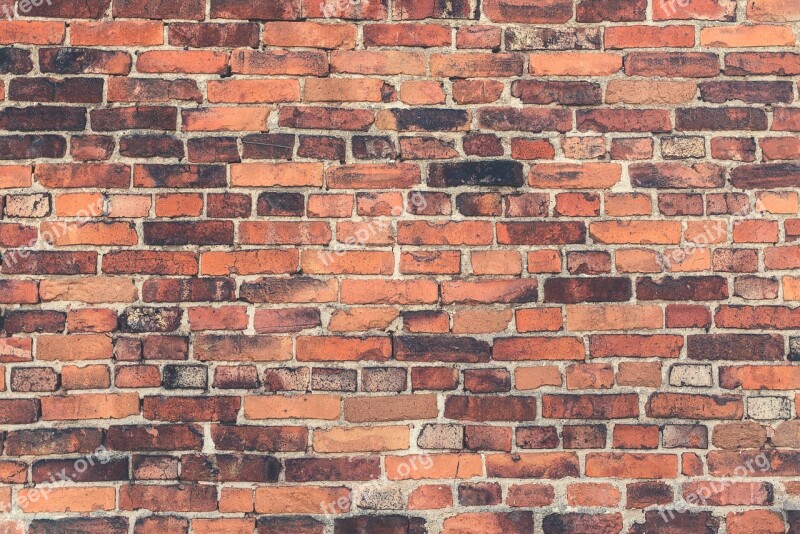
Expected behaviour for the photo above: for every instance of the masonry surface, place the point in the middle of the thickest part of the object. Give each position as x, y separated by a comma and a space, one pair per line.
399, 266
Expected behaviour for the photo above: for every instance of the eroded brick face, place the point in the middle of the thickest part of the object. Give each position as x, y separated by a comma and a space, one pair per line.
399, 266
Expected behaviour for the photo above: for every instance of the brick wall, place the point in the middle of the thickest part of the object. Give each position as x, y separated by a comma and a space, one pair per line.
399, 266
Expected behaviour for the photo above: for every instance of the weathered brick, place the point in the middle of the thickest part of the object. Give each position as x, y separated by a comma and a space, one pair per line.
330, 266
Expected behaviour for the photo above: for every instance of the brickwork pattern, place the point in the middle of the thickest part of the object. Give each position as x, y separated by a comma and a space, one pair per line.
399, 266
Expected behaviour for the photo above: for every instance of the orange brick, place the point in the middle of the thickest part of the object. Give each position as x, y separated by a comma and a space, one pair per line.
276, 174
116, 33
574, 64
362, 439
90, 406
310, 34
293, 407
747, 36
226, 119
34, 500
88, 377
73, 347
442, 466
179, 205
182, 61
535, 377
421, 93
591, 494
539, 320
253, 91
344, 90
15, 176
496, 262
32, 32
302, 500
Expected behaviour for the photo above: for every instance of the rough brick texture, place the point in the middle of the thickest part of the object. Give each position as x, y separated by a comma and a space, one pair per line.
399, 266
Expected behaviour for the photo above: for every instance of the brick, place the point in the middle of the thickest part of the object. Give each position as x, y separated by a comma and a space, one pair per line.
495, 173
650, 93
529, 119
769, 10
70, 500
360, 439
618, 37
133, 33
549, 465
639, 374
276, 174
343, 348
174, 408
703, 10
745, 521
574, 522
678, 64
613, 317
90, 406
407, 9
589, 406
573, 290
225, 119
250, 92
682, 405
621, 120
476, 91
184, 61
569, 176
631, 346
468, 408
631, 465
758, 377
268, 11
84, 60
203, 35
596, 11
574, 64
737, 347
463, 65
384, 63
699, 288
32, 32
558, 11
310, 34
242, 348
455, 349
395, 408
777, 63
428, 35
538, 348
33, 379
525, 37
152, 90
